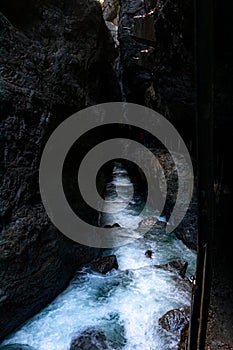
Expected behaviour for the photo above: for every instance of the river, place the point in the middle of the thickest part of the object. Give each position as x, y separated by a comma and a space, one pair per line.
125, 303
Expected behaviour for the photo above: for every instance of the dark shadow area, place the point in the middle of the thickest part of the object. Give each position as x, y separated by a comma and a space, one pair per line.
100, 134
18, 12
212, 311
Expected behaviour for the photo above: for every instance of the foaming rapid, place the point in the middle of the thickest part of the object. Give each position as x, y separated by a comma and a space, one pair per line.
126, 303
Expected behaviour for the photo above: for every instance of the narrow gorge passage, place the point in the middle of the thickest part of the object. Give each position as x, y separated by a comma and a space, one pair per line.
61, 61
60, 57
125, 304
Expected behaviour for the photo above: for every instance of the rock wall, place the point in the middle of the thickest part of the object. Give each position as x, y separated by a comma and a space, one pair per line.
57, 57
158, 69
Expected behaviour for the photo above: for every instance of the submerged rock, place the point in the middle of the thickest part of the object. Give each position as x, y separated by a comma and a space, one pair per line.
17, 347
90, 339
111, 336
112, 226
149, 253
175, 320
184, 283
151, 222
104, 264
177, 266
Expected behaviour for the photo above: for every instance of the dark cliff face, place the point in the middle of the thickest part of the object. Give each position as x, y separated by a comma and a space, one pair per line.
57, 57
158, 60
158, 70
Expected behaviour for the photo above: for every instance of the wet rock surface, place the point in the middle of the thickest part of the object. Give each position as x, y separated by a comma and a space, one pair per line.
151, 222
177, 266
104, 264
136, 78
184, 336
112, 226
185, 283
160, 73
90, 339
56, 58
109, 336
187, 229
149, 253
175, 320
110, 9
165, 173
16, 347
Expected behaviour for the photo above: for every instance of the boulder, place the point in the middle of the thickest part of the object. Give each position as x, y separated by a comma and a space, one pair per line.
184, 283
104, 264
149, 253
174, 320
177, 266
90, 339
151, 222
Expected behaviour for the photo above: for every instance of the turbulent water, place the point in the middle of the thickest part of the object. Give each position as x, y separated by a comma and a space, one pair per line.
126, 303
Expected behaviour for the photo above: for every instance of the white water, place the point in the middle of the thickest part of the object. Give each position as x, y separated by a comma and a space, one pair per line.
126, 304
